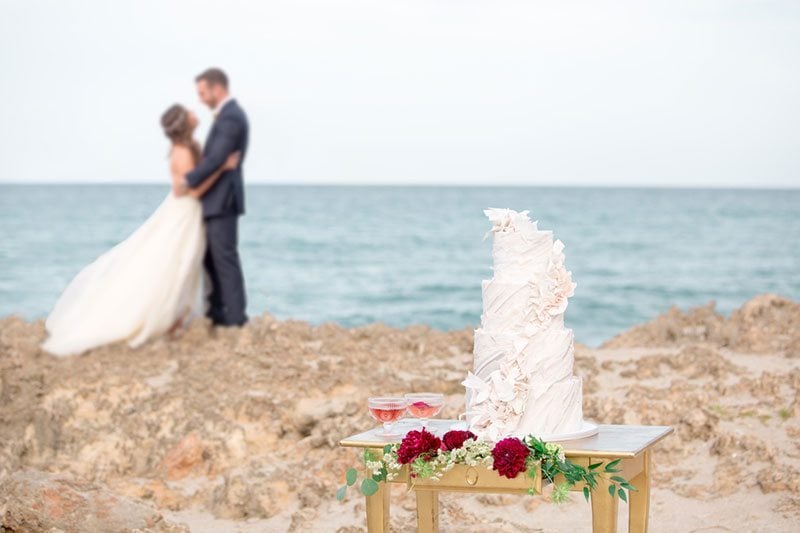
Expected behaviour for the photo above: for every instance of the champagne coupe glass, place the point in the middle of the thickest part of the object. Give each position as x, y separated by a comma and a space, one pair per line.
388, 410
424, 405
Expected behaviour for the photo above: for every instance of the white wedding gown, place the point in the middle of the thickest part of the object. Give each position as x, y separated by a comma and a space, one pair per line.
137, 290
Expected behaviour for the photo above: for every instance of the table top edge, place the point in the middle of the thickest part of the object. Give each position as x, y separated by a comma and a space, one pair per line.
349, 442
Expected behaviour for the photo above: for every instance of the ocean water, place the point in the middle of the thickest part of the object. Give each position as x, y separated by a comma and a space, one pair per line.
411, 255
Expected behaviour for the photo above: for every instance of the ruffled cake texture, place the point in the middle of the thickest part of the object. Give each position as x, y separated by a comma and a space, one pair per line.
522, 381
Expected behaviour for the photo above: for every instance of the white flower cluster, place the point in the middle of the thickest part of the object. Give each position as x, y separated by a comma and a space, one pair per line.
390, 463
555, 450
472, 453
374, 466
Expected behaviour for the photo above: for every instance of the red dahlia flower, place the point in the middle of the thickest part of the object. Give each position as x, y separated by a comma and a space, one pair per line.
417, 443
452, 440
509, 457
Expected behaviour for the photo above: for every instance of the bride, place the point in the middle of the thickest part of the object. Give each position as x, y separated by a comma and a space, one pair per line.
152, 282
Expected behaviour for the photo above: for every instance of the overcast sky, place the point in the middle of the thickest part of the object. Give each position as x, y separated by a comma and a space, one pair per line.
694, 92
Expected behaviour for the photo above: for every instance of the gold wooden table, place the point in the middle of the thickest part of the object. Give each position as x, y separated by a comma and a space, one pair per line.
631, 444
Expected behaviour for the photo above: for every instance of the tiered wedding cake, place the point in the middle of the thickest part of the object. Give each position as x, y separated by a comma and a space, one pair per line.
522, 381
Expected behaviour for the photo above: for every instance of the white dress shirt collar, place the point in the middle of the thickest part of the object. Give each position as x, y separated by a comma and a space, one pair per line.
216, 111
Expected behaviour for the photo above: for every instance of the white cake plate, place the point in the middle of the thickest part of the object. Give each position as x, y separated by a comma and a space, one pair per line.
440, 427
587, 429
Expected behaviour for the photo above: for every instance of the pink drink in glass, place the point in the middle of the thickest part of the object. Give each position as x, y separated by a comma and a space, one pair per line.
387, 410
424, 405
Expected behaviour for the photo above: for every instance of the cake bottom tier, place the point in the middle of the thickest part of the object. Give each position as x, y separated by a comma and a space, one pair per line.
558, 409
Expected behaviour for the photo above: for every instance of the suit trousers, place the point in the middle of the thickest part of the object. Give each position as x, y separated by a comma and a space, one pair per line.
227, 298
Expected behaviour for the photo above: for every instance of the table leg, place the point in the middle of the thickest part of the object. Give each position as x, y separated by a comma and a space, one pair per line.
639, 508
604, 508
378, 510
427, 511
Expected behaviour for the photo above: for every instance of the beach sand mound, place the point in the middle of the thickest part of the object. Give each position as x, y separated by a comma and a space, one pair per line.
767, 323
238, 428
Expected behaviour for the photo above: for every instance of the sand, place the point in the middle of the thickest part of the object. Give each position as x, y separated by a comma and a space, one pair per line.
236, 430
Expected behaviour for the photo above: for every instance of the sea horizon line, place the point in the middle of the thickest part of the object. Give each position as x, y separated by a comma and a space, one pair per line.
413, 185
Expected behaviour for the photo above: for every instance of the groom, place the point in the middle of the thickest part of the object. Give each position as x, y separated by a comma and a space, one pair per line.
224, 202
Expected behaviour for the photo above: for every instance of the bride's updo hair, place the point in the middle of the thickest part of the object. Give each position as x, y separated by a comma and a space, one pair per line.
178, 128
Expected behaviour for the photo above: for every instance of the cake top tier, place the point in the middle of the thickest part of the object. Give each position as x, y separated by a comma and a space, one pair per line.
520, 249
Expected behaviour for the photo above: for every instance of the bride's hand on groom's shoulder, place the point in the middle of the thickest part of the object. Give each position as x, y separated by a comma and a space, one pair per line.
233, 161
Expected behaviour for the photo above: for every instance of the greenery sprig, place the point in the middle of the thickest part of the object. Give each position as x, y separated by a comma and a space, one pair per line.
553, 464
369, 484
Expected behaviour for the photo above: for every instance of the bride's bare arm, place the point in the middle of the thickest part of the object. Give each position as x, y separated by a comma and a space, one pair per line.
182, 162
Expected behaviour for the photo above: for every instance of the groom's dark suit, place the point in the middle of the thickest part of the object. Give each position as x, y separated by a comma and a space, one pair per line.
222, 206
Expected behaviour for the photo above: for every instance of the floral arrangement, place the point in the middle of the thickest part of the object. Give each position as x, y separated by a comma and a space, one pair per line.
429, 457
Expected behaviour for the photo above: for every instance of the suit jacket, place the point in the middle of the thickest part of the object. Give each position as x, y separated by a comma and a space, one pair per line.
228, 134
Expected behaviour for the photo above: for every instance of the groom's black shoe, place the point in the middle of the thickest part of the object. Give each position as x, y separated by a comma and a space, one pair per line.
218, 318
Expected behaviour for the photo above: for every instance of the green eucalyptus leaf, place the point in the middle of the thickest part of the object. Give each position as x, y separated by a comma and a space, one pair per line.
340, 492
622, 495
612, 489
618, 479
351, 476
586, 493
592, 467
612, 466
369, 487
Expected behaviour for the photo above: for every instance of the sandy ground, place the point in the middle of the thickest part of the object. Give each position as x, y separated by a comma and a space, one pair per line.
236, 430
